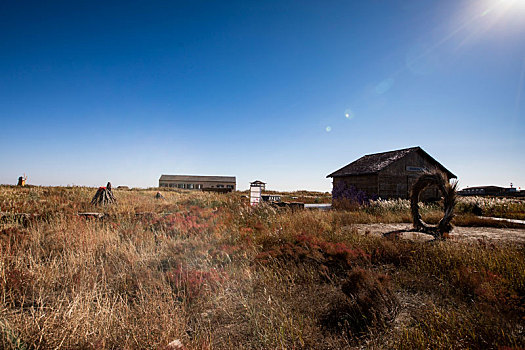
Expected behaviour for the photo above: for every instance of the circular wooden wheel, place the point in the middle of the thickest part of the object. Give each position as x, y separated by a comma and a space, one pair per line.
449, 201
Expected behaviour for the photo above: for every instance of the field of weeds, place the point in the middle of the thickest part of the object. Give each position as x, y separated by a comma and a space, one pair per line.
216, 274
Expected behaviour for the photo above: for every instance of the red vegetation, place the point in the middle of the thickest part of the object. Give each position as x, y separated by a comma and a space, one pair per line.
191, 222
336, 257
490, 289
190, 283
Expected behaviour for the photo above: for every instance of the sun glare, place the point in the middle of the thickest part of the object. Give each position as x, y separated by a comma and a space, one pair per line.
487, 15
494, 6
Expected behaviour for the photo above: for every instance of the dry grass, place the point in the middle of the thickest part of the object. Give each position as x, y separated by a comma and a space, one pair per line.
207, 269
510, 208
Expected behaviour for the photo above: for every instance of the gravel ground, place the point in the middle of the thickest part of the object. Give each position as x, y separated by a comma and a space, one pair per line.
458, 233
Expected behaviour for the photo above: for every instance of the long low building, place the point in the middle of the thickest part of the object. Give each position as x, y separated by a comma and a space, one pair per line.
197, 182
488, 191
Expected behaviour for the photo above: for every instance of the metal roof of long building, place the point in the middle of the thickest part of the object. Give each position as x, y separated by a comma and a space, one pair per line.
197, 178
374, 163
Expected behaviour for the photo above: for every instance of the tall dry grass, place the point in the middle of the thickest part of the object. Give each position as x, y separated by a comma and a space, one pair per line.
211, 271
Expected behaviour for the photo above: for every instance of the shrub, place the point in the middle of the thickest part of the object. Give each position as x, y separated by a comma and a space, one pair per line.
469, 208
370, 303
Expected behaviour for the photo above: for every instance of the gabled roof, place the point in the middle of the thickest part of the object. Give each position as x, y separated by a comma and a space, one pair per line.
374, 163
197, 178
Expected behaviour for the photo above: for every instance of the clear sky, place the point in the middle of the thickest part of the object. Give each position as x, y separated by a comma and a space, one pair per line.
281, 91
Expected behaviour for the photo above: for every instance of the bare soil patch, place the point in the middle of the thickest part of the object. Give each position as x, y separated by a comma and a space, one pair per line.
458, 233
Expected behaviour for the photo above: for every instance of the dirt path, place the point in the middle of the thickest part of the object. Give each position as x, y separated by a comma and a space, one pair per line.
458, 233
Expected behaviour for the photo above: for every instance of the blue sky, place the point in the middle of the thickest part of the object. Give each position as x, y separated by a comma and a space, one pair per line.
282, 91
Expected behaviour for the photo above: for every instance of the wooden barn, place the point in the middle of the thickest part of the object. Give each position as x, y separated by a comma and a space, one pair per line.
390, 174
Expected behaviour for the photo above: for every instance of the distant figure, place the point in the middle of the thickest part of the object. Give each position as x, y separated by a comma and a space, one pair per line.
22, 181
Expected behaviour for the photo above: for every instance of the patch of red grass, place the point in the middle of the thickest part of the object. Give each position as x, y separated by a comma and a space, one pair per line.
489, 288
190, 283
17, 284
12, 239
191, 222
331, 256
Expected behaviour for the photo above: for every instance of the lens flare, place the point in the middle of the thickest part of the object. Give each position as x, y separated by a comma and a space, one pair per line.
349, 114
328, 128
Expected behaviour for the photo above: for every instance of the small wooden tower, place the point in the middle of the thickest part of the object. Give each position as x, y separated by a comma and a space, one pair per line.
258, 183
255, 192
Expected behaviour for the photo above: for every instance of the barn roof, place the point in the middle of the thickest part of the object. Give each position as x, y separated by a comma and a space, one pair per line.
374, 163
197, 178
257, 182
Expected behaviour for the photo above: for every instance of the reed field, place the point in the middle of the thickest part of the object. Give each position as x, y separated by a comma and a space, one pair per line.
213, 272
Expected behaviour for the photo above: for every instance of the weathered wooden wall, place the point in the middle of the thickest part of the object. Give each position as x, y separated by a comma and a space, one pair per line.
366, 183
396, 179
